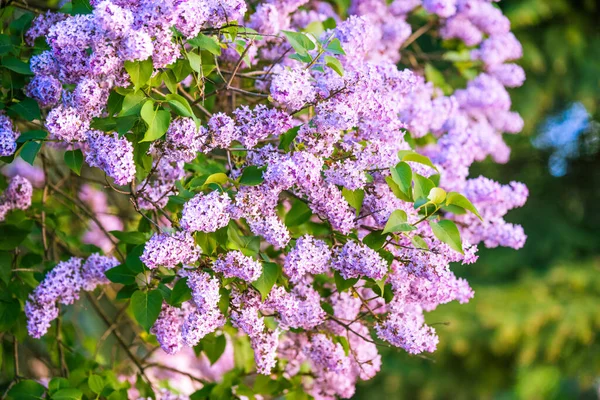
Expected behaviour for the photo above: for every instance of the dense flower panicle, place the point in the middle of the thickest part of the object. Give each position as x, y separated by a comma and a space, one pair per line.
8, 136
405, 327
183, 140
167, 328
18, 193
199, 324
93, 271
112, 154
343, 145
356, 260
63, 285
309, 256
169, 249
292, 88
46, 90
206, 212
299, 309
205, 290
328, 355
237, 265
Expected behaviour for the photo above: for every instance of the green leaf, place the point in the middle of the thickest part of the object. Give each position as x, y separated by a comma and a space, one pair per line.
300, 42
29, 151
219, 178
121, 274
375, 240
267, 279
96, 383
180, 105
208, 43
354, 198
74, 160
410, 155
131, 237
434, 76
132, 104
334, 64
68, 394
157, 120
343, 284
335, 47
146, 307
27, 109
422, 186
457, 199
32, 135
195, 61
11, 236
287, 138
298, 214
6, 45
252, 176
419, 242
26, 390
398, 223
56, 384
214, 348
14, 64
447, 232
396, 189
180, 293
114, 103
402, 176
139, 72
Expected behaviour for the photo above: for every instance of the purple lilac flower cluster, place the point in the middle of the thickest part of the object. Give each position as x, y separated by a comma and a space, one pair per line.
16, 196
62, 285
343, 145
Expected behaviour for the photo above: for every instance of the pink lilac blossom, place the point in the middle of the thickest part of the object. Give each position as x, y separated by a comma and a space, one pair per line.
237, 265
309, 256
167, 250
206, 212
112, 154
292, 88
355, 260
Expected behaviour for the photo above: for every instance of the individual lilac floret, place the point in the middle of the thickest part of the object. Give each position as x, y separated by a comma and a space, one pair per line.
206, 212
237, 265
93, 271
405, 327
309, 256
46, 90
168, 250
292, 88
112, 154
356, 260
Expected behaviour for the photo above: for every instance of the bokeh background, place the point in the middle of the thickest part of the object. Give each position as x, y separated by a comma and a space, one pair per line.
531, 332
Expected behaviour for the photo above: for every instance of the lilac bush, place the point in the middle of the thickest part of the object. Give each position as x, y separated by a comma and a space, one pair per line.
279, 179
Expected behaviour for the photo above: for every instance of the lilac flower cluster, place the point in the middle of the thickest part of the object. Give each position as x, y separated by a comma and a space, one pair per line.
335, 164
62, 285
16, 196
8, 136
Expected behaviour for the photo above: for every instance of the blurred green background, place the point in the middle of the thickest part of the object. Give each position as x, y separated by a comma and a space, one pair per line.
531, 332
